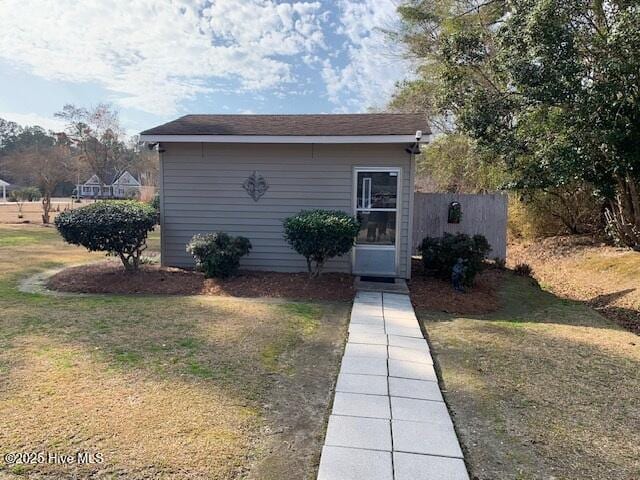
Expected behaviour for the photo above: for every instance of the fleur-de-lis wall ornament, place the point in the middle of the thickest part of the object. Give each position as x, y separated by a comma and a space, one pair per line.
255, 185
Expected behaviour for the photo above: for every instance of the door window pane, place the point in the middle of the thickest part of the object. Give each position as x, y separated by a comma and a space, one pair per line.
377, 189
377, 228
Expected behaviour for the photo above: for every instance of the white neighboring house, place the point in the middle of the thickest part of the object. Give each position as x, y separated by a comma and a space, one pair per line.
124, 185
4, 186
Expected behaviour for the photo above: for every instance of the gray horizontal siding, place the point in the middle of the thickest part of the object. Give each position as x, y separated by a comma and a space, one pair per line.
202, 192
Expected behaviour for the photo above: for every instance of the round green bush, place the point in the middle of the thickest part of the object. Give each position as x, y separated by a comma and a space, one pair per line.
319, 235
440, 254
218, 254
117, 227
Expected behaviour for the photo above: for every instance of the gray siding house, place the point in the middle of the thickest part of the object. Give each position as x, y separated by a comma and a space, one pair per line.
243, 174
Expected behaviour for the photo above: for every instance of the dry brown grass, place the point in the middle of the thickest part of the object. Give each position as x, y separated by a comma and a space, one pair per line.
32, 211
163, 387
542, 388
581, 269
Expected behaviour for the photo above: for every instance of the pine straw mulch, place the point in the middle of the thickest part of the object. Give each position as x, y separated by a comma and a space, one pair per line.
585, 269
428, 293
109, 277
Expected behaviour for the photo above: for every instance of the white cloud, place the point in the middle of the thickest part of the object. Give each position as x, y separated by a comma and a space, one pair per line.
154, 54
33, 119
373, 65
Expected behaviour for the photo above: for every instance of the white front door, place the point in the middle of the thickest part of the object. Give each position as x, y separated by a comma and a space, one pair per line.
376, 207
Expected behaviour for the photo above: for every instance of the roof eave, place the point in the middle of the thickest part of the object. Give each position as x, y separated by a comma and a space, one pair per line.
283, 138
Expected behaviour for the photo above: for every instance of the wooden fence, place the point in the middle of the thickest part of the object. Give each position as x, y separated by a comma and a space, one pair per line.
483, 214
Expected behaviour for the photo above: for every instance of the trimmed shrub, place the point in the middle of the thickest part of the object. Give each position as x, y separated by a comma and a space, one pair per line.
117, 227
218, 254
319, 235
440, 254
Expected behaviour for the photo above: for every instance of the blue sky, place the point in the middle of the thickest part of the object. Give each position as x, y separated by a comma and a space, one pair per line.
157, 60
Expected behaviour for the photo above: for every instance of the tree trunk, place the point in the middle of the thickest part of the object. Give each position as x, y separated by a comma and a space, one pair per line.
634, 200
309, 269
46, 208
126, 262
318, 271
621, 222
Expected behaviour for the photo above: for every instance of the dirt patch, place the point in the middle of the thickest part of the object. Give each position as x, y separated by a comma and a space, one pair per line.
109, 277
580, 268
429, 293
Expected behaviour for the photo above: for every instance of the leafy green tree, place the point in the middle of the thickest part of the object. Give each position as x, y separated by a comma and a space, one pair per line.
549, 87
451, 164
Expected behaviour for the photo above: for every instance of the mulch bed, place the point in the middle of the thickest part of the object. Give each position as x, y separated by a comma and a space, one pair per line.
429, 293
109, 277
426, 293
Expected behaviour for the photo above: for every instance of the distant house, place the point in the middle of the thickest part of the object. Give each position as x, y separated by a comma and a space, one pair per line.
123, 185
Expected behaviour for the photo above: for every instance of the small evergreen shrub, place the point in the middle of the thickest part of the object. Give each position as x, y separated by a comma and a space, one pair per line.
523, 269
218, 254
117, 227
155, 202
440, 254
319, 235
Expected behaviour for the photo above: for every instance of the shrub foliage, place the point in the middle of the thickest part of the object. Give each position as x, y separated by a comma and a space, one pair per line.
523, 269
218, 254
440, 254
319, 235
119, 228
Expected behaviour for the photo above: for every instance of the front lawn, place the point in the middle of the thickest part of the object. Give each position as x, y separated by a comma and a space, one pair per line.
543, 388
179, 387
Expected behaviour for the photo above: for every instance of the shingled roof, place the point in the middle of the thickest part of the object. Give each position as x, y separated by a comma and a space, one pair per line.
296, 125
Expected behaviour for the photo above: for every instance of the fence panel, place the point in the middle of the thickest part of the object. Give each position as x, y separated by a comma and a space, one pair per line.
485, 214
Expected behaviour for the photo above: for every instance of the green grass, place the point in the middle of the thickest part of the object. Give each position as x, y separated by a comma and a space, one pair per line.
302, 321
169, 386
16, 237
544, 387
199, 370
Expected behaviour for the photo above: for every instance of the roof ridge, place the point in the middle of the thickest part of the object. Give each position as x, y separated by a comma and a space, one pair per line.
295, 124
297, 114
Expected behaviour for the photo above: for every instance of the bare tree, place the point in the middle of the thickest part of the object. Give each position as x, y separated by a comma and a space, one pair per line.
97, 137
45, 167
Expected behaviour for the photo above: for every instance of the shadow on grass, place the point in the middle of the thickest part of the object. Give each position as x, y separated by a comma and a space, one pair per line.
534, 397
521, 300
277, 360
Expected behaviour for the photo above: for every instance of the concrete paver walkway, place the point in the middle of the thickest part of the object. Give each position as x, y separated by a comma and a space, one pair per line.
389, 421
